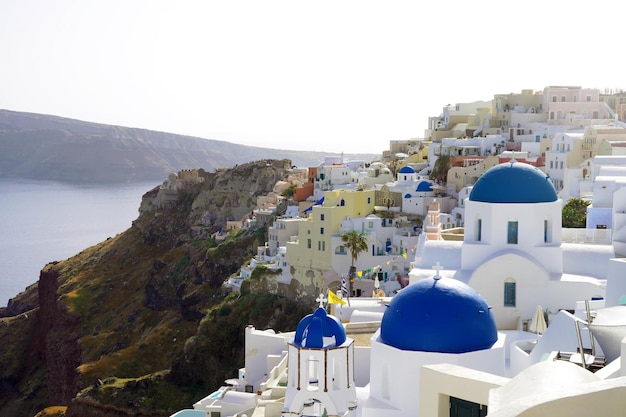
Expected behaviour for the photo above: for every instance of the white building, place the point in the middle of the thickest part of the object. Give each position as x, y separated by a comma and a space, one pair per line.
334, 173
436, 320
376, 173
418, 191
391, 247
561, 159
512, 251
608, 203
280, 232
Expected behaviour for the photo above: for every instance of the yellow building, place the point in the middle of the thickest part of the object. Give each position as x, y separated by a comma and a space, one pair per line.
310, 256
418, 156
468, 174
602, 140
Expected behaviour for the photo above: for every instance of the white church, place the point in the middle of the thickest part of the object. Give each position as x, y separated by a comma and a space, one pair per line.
512, 252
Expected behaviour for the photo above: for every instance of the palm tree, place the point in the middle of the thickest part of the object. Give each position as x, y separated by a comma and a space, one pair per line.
356, 243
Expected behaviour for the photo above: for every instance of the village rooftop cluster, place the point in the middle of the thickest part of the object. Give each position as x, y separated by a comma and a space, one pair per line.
466, 296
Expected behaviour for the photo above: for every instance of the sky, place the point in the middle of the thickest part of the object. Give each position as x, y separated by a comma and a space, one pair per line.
335, 76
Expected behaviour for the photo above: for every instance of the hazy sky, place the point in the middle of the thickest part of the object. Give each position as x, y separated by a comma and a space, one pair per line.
318, 75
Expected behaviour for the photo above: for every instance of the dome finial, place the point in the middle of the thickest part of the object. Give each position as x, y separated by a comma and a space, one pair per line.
437, 267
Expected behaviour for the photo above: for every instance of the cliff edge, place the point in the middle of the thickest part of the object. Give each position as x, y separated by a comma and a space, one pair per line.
139, 324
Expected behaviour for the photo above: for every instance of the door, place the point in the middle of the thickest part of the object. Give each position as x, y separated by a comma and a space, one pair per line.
462, 408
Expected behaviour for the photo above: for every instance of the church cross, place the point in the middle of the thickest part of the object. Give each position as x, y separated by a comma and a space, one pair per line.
321, 299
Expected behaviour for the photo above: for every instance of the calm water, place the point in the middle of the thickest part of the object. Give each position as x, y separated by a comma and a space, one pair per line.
44, 221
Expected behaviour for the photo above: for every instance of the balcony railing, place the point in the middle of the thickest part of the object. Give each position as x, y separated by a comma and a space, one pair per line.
587, 236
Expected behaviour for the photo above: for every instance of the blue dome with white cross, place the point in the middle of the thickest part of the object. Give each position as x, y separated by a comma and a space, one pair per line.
441, 315
513, 182
424, 187
319, 330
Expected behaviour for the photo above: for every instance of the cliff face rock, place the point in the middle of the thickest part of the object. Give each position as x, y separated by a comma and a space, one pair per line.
56, 340
40, 352
139, 324
214, 198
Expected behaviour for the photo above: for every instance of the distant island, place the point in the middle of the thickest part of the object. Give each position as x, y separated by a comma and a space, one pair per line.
38, 146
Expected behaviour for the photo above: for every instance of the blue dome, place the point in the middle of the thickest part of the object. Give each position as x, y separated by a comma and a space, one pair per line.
314, 328
407, 195
513, 182
438, 315
424, 186
406, 170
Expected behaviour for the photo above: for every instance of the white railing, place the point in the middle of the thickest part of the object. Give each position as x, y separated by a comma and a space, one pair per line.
587, 236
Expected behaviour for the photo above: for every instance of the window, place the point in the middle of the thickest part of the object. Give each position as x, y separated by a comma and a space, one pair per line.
545, 231
554, 99
313, 371
369, 200
322, 217
551, 164
321, 230
561, 165
308, 243
563, 99
512, 233
479, 230
509, 293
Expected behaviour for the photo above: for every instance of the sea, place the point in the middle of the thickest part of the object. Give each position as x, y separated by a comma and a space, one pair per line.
45, 221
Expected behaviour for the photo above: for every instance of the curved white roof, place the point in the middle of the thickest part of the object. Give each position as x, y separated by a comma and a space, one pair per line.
446, 252
543, 379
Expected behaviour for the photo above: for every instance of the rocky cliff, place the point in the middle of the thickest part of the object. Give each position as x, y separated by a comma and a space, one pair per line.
139, 324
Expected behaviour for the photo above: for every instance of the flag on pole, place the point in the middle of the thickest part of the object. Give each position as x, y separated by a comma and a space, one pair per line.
344, 289
333, 299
